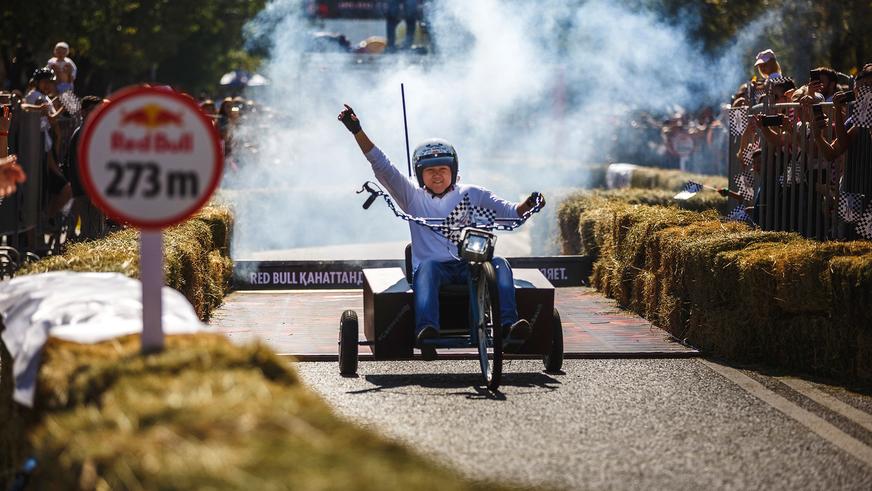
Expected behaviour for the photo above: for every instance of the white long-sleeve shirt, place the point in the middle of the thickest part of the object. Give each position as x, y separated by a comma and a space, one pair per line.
462, 203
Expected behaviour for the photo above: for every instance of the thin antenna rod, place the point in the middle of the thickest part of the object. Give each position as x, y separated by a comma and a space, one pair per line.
406, 127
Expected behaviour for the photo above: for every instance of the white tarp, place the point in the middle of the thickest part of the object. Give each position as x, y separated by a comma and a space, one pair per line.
79, 307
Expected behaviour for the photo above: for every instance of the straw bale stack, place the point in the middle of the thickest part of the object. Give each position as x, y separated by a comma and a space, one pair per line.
204, 413
744, 294
670, 179
196, 258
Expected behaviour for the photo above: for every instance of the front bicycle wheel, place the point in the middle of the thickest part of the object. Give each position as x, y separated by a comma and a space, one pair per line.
490, 334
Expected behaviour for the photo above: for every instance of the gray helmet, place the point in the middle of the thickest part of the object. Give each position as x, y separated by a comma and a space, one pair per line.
431, 153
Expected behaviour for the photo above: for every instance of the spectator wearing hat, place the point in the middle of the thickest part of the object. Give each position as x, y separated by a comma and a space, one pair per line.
63, 67
767, 65
43, 80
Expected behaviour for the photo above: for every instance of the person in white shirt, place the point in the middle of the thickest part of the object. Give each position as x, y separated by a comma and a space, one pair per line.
437, 194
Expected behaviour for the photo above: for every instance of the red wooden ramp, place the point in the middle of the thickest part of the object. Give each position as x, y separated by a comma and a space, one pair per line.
305, 324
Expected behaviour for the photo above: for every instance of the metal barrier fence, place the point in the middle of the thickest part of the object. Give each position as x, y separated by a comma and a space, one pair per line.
793, 186
26, 229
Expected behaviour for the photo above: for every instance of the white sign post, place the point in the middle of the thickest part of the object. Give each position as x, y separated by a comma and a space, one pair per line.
150, 158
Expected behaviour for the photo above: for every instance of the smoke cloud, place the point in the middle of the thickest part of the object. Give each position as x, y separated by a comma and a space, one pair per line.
526, 91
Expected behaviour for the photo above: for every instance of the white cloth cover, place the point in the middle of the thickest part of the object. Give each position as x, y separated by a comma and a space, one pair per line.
79, 307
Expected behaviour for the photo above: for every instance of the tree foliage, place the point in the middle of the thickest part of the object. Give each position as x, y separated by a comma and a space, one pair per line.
804, 33
118, 42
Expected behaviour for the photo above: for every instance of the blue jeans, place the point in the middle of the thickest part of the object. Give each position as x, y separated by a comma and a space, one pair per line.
430, 275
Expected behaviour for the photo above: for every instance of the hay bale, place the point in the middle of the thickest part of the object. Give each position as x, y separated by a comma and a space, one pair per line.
671, 179
204, 413
188, 257
573, 228
742, 294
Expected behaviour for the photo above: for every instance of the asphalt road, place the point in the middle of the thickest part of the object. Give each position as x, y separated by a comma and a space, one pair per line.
615, 424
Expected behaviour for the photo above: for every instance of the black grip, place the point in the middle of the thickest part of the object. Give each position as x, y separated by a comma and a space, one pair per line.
369, 201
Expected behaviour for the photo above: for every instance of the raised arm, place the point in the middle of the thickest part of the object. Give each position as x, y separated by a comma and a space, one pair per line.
397, 184
349, 119
831, 150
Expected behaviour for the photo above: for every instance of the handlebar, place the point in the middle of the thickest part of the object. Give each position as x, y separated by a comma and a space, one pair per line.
439, 224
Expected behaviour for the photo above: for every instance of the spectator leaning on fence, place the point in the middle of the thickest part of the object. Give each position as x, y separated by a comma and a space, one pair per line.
63, 67
59, 190
782, 89
826, 82
844, 136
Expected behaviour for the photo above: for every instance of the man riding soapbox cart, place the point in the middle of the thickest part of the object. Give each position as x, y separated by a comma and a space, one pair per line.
470, 313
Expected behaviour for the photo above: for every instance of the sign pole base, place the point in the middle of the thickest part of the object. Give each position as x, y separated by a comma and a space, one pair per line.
152, 277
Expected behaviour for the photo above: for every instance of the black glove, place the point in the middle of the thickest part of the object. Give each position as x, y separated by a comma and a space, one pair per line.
349, 119
531, 201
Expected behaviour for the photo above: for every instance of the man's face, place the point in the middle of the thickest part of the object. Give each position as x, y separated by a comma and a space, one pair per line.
437, 178
60, 53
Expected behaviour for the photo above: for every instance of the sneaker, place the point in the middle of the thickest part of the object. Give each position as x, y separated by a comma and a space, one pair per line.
428, 352
516, 334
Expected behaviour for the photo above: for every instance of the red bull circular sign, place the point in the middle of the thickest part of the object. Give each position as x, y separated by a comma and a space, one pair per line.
150, 157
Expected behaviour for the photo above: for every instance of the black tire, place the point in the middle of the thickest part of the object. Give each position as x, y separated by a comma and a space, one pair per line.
348, 344
489, 327
554, 357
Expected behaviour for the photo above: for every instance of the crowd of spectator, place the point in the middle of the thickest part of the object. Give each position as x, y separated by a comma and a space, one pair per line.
693, 141
805, 149
42, 200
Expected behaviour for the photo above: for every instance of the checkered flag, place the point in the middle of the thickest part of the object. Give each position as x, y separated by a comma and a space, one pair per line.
745, 183
863, 106
864, 224
740, 215
71, 103
465, 214
692, 187
748, 155
850, 206
738, 120
689, 191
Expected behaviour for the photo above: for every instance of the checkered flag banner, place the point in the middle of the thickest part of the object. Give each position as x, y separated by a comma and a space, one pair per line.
745, 183
690, 189
864, 224
863, 106
71, 103
850, 206
738, 120
748, 155
740, 215
464, 215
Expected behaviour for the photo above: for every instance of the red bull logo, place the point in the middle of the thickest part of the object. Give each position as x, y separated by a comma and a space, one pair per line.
151, 116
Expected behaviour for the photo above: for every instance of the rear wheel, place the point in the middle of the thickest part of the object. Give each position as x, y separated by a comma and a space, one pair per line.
348, 343
554, 357
489, 330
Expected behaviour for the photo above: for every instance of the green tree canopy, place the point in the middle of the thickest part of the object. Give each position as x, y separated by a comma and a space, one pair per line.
117, 42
